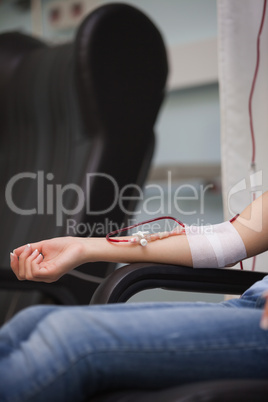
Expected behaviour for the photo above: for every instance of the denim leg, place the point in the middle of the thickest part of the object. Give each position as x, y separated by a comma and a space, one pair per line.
72, 353
14, 333
252, 297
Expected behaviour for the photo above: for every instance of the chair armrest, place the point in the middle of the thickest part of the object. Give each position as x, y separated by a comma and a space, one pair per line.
131, 279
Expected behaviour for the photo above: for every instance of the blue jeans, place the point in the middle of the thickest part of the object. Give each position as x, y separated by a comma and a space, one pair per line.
54, 353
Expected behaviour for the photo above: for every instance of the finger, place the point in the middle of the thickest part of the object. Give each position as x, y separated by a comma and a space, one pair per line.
264, 318
22, 258
41, 272
19, 250
14, 263
51, 270
29, 264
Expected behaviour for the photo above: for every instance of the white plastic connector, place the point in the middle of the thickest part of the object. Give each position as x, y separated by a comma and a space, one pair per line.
141, 237
143, 242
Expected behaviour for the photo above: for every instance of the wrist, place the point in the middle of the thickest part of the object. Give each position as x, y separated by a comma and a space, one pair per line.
92, 249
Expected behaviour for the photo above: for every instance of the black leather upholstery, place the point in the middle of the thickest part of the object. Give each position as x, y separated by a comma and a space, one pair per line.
72, 110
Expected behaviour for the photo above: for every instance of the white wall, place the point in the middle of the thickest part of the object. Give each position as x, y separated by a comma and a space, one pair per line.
189, 127
12, 19
239, 24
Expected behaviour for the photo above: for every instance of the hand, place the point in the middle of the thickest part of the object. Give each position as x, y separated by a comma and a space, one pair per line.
264, 318
47, 260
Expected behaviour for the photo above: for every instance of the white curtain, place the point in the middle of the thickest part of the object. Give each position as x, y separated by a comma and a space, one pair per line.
238, 26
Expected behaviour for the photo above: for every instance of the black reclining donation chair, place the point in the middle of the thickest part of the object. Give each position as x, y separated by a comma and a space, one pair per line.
77, 120
131, 279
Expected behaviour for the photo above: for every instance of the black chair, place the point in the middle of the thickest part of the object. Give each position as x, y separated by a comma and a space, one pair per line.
131, 279
80, 113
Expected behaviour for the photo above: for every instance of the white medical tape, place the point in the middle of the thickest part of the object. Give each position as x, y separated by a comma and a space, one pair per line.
215, 246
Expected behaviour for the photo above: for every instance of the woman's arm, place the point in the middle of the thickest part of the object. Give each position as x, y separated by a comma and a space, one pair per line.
252, 225
61, 255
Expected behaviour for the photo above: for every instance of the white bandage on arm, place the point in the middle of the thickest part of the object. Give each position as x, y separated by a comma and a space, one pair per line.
215, 246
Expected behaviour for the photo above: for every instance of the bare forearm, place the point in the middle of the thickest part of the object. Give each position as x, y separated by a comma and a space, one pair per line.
252, 226
48, 260
172, 250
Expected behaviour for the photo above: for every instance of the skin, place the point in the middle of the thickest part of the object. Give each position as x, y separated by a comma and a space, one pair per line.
48, 260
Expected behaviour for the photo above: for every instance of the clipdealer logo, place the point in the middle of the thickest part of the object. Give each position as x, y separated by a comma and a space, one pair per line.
51, 197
